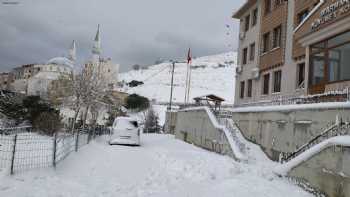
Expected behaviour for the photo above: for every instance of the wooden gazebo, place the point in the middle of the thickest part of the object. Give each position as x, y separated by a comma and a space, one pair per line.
211, 100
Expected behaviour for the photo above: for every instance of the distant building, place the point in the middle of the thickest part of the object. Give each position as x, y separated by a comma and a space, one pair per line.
4, 81
34, 79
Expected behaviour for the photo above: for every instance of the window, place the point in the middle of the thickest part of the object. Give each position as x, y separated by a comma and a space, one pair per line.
250, 88
245, 55
302, 15
266, 42
329, 61
268, 6
317, 65
252, 52
338, 63
266, 84
277, 36
255, 17
242, 89
277, 79
278, 3
247, 22
301, 76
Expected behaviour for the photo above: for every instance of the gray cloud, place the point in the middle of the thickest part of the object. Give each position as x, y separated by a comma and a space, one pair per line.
133, 31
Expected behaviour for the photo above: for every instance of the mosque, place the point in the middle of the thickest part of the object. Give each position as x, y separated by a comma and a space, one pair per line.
35, 79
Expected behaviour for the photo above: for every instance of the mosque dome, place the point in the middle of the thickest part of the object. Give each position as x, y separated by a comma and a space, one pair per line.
61, 61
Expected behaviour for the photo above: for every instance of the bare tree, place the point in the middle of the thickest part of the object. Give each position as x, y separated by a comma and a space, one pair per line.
84, 93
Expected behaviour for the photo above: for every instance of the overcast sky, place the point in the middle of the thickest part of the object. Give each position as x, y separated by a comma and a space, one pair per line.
132, 31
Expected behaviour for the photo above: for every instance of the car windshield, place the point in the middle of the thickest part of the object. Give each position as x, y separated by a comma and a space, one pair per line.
126, 124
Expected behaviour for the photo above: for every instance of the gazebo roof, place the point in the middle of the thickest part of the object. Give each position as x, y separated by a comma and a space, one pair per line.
209, 97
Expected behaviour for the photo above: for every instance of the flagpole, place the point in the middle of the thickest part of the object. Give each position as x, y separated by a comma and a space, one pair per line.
189, 82
172, 85
186, 86
188, 76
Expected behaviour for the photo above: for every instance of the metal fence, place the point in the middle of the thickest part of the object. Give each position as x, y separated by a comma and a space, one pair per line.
23, 151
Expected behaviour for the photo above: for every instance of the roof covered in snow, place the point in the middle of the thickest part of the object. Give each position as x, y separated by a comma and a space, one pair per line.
62, 61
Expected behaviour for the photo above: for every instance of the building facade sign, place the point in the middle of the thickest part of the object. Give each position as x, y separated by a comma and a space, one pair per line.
331, 12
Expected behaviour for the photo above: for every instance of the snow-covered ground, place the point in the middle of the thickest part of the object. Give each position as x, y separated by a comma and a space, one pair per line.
161, 167
210, 75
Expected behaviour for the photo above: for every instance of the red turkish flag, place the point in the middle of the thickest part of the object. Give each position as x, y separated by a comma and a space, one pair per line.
189, 56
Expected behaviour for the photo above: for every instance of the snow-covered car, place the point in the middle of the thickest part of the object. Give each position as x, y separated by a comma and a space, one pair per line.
125, 131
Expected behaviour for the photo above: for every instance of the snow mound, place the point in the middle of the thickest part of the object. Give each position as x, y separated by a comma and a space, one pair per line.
210, 75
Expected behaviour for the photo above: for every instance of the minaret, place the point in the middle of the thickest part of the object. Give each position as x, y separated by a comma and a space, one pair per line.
96, 50
72, 56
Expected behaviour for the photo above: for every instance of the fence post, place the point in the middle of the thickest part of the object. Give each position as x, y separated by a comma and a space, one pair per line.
54, 149
13, 154
77, 141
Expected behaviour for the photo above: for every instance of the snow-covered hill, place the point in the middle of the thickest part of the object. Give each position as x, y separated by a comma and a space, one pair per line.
210, 75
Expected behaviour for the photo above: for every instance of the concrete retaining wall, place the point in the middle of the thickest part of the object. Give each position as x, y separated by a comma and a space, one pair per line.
196, 127
170, 122
287, 130
328, 171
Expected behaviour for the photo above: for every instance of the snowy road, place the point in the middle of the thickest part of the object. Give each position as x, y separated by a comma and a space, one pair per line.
161, 167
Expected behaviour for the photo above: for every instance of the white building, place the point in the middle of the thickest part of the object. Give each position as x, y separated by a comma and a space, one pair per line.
54, 69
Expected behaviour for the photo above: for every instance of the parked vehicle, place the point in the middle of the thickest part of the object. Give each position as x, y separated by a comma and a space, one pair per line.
125, 131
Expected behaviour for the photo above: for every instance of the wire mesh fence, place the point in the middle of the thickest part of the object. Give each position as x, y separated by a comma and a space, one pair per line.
24, 151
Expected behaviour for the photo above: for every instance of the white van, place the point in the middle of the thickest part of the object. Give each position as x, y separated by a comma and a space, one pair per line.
125, 131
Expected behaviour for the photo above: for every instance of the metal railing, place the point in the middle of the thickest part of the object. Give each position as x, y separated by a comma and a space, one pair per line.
233, 129
337, 129
330, 96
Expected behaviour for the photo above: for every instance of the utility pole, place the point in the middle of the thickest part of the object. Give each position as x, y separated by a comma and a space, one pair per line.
172, 85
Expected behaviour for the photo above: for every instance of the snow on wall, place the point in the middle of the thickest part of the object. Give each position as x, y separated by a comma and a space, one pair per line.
235, 149
283, 169
279, 108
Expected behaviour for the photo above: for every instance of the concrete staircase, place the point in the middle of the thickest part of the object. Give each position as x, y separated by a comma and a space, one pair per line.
234, 132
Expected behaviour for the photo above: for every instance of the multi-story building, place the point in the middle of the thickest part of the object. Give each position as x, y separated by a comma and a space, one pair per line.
286, 37
248, 51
